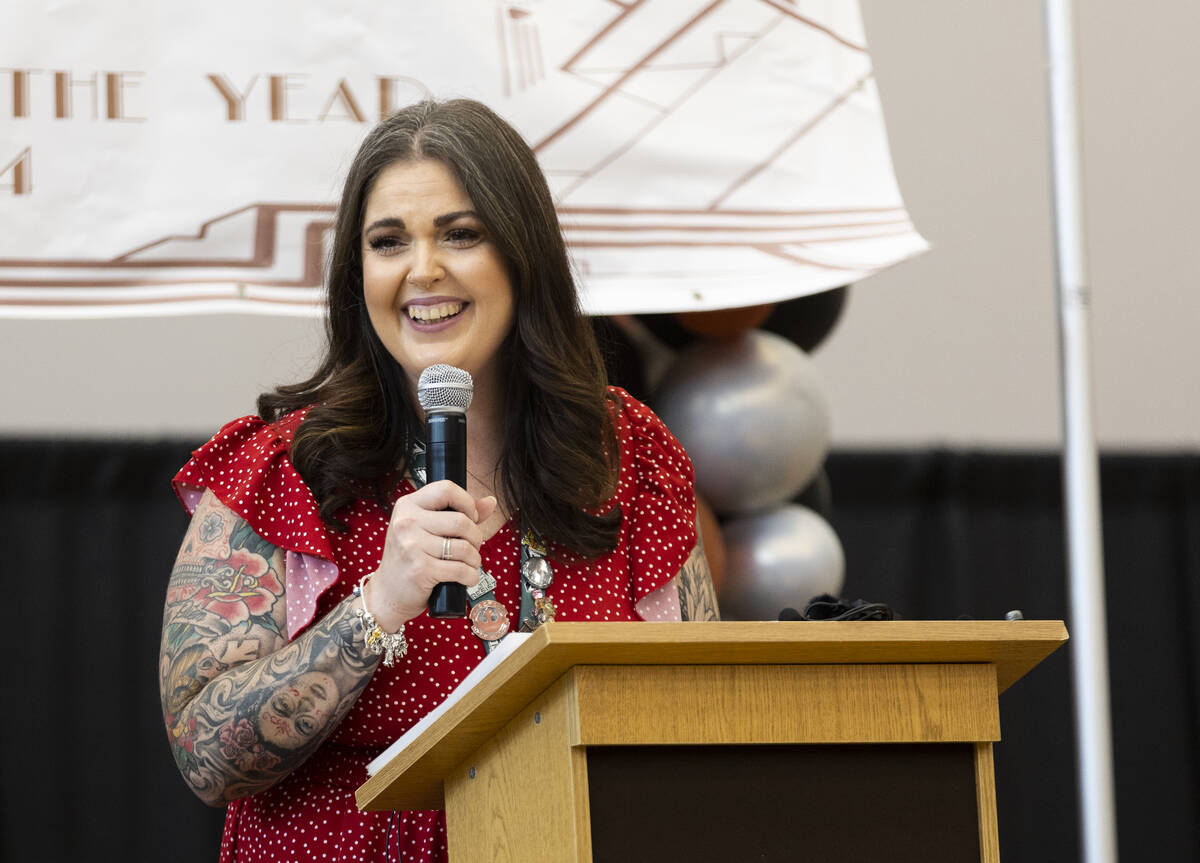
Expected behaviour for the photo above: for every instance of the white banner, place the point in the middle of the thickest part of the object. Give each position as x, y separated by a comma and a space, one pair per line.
161, 157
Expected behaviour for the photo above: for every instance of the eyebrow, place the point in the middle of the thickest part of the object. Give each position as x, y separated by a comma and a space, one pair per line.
439, 221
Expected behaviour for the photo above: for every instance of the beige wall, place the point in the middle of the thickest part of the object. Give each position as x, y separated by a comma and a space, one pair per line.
957, 347
960, 346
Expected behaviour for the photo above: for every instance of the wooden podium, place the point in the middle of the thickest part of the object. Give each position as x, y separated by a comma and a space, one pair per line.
865, 741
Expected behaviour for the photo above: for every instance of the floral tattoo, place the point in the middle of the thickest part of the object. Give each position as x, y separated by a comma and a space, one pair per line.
210, 527
241, 745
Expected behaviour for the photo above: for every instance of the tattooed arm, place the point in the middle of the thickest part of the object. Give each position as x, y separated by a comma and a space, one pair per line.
243, 707
697, 598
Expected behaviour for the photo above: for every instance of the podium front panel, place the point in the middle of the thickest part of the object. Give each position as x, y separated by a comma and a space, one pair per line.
890, 803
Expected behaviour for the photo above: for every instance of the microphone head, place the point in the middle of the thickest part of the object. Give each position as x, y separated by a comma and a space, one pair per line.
442, 387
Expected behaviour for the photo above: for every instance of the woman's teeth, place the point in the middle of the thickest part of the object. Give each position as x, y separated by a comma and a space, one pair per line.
433, 314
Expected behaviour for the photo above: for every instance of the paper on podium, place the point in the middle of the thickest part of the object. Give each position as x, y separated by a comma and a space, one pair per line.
490, 662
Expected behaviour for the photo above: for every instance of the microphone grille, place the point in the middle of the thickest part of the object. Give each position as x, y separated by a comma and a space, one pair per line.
444, 387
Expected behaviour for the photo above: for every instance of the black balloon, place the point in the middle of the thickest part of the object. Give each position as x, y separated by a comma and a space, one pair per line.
622, 361
808, 321
668, 330
805, 321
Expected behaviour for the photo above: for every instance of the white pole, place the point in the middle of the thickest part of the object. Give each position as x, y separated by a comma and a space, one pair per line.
1089, 653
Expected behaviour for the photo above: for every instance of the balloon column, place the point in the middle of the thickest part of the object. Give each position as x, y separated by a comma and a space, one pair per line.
748, 406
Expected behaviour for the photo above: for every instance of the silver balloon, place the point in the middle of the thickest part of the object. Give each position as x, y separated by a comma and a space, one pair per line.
753, 417
778, 559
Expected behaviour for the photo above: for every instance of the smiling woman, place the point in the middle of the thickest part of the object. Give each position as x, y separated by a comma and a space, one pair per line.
436, 286
296, 645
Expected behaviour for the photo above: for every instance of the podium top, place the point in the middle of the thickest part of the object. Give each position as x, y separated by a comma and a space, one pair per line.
1013, 647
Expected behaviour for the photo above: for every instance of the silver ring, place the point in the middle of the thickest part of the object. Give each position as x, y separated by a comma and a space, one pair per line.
446, 548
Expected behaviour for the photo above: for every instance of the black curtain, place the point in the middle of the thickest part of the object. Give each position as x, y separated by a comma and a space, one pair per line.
90, 529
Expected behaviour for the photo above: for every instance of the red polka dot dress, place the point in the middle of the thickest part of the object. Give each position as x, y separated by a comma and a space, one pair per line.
311, 815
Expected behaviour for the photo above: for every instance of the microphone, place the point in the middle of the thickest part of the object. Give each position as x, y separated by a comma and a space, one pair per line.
445, 394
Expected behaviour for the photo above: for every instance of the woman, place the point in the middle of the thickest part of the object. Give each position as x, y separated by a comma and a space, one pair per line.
313, 545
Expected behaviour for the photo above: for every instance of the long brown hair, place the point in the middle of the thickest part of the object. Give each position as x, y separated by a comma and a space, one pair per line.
559, 454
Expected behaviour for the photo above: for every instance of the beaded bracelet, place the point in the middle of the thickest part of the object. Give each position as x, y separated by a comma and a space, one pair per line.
390, 645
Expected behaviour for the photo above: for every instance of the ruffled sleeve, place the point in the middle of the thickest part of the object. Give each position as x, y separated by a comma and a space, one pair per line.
246, 465
658, 497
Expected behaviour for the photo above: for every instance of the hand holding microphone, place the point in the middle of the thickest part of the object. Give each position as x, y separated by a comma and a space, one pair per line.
424, 526
431, 551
